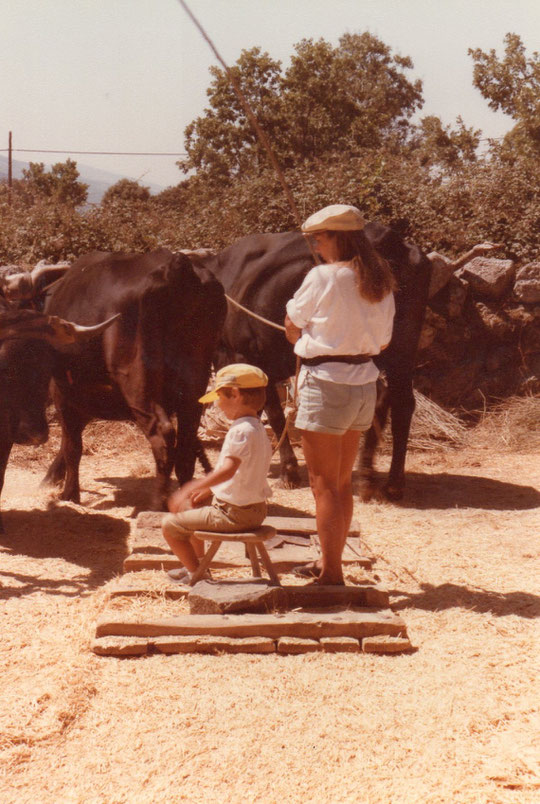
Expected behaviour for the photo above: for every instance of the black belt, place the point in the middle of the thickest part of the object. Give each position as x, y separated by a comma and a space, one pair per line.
316, 361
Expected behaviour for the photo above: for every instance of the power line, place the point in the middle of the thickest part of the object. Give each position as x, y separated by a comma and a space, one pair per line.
95, 153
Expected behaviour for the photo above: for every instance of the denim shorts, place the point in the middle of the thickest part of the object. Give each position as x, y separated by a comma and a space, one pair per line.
331, 407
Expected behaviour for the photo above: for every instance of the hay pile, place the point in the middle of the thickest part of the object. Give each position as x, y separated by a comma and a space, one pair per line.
512, 426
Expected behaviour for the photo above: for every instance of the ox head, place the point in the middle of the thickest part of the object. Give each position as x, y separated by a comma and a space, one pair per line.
26, 366
21, 286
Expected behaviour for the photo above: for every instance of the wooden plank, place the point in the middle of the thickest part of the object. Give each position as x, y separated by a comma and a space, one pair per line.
358, 624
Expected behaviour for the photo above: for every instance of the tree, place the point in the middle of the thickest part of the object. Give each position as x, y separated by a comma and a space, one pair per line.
329, 100
512, 84
345, 98
60, 185
438, 145
126, 191
222, 142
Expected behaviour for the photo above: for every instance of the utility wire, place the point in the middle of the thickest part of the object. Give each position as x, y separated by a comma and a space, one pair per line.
97, 153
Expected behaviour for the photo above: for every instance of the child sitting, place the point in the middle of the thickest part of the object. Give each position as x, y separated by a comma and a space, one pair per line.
238, 482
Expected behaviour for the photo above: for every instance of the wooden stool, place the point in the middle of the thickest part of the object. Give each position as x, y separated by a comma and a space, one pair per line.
253, 540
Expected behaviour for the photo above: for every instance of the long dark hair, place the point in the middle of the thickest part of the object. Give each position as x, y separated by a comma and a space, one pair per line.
375, 278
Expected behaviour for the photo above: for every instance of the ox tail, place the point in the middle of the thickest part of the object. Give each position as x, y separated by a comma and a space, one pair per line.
203, 458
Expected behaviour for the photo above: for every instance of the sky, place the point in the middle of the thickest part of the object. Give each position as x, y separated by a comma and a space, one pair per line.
129, 75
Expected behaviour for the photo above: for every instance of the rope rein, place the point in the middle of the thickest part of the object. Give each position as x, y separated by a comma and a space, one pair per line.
255, 315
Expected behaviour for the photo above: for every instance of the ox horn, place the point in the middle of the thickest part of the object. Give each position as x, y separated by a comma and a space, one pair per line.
66, 332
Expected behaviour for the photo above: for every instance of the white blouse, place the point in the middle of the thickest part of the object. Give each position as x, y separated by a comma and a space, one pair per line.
335, 319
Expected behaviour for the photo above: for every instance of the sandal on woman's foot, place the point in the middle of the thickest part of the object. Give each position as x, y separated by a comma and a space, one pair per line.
309, 570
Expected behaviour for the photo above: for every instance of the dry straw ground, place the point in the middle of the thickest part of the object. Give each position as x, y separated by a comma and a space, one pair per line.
455, 721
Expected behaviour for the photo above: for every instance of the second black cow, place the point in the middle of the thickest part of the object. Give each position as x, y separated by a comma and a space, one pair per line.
263, 271
151, 365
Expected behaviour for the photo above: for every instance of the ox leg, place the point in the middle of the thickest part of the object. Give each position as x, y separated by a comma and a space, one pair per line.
66, 464
161, 436
57, 470
5, 449
402, 406
187, 444
368, 488
289, 475
72, 452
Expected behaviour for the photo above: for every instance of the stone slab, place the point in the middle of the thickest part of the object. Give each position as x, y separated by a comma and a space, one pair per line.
340, 645
306, 625
167, 561
295, 646
138, 591
120, 646
221, 597
283, 558
218, 597
131, 646
363, 595
386, 644
212, 644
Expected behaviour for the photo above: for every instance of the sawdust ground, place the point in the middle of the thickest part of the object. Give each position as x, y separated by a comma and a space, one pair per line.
457, 720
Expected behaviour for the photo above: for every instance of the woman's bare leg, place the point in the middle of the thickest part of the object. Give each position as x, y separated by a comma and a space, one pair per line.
350, 442
322, 452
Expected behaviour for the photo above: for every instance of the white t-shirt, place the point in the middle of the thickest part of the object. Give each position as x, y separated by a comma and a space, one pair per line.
336, 320
247, 440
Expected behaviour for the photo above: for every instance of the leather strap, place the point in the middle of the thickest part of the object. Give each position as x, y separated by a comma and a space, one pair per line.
316, 361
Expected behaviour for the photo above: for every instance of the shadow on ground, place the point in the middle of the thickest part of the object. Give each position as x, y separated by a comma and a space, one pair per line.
96, 542
137, 492
444, 490
450, 595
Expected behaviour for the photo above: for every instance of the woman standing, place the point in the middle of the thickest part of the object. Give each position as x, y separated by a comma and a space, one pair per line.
339, 318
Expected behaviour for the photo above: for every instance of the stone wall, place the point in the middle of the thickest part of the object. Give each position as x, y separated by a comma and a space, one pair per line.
481, 337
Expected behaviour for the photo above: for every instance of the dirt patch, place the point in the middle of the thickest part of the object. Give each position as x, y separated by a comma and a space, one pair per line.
455, 721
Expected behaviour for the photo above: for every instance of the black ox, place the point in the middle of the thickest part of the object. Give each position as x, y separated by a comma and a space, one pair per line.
29, 344
151, 365
262, 272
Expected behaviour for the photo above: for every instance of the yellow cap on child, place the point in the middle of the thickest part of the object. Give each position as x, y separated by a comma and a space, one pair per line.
237, 375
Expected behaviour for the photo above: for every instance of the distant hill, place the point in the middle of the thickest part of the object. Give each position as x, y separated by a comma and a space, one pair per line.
98, 181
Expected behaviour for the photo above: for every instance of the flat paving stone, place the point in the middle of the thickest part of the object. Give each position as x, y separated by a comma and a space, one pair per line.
222, 597
386, 644
295, 646
283, 558
215, 597
131, 646
340, 645
306, 625
120, 646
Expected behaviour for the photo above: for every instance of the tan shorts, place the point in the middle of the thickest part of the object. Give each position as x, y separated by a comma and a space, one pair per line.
220, 516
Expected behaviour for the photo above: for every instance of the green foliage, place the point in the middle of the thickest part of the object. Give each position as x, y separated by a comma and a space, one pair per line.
329, 100
339, 119
435, 144
126, 191
59, 185
512, 84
